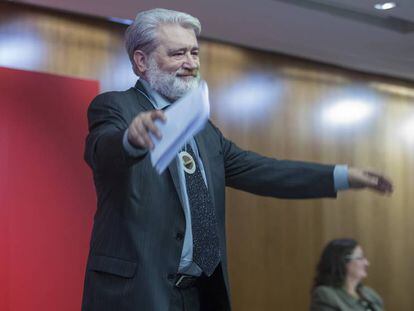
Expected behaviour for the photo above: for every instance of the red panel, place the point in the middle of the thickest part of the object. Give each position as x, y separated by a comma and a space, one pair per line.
46, 191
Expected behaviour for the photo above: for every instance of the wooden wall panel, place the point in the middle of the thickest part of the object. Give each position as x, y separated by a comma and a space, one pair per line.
271, 104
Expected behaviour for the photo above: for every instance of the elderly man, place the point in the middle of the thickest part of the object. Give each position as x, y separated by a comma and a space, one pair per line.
158, 241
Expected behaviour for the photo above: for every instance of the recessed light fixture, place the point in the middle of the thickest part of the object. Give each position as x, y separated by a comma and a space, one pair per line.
407, 130
347, 111
385, 6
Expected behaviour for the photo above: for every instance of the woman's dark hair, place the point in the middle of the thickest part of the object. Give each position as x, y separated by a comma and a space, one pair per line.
331, 269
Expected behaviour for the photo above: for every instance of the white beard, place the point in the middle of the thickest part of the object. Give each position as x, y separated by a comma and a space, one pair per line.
168, 84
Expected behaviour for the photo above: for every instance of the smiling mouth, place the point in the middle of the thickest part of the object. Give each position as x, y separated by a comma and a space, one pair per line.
186, 76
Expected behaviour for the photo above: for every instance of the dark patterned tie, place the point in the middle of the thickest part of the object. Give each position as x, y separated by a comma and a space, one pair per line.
206, 252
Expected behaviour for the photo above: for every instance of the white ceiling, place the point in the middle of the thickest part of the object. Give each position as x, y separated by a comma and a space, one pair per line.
348, 33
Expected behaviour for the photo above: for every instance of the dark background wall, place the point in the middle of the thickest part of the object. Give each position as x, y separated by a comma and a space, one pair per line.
275, 105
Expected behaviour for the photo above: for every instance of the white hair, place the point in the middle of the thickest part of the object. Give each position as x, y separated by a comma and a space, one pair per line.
142, 33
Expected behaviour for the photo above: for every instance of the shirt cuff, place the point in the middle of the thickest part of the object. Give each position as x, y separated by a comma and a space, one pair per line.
130, 149
341, 177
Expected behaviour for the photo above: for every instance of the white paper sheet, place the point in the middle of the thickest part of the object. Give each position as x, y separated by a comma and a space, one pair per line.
185, 118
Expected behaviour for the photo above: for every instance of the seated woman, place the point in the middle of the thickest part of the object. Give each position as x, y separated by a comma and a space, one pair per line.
337, 285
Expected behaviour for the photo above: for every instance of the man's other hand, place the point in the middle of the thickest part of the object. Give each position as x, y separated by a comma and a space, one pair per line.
359, 179
142, 125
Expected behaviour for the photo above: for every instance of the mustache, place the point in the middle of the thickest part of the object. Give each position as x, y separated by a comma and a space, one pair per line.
187, 72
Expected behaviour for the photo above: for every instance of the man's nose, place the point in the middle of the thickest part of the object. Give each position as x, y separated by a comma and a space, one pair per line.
190, 62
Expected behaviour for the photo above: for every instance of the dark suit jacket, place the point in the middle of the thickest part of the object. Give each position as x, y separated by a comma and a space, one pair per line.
139, 225
328, 298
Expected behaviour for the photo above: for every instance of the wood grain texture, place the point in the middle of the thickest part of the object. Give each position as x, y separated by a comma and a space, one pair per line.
272, 104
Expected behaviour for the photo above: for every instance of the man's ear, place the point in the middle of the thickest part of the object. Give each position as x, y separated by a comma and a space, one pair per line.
140, 60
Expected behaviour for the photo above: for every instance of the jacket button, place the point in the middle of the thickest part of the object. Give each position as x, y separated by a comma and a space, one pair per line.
179, 236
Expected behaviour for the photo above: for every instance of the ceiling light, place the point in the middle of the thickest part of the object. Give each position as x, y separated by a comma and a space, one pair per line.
347, 111
23, 52
385, 6
407, 130
253, 96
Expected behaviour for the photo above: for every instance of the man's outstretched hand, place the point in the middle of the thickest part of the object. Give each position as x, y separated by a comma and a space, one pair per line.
359, 179
142, 125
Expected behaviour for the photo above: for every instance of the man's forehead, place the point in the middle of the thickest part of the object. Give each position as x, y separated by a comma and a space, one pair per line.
176, 36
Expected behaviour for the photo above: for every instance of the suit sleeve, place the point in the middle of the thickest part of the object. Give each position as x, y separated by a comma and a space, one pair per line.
107, 120
251, 172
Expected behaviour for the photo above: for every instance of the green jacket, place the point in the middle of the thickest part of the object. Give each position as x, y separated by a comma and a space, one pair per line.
328, 298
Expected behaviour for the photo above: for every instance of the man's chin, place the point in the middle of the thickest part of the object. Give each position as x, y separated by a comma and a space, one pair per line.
177, 87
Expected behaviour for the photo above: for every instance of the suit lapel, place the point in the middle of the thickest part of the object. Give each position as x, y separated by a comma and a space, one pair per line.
143, 97
347, 299
143, 100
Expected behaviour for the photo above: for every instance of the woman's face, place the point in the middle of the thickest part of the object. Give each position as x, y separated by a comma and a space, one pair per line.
357, 266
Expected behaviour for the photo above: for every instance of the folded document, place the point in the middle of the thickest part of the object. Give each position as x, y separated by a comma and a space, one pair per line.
185, 118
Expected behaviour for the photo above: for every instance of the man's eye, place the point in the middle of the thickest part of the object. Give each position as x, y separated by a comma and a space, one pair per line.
178, 54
